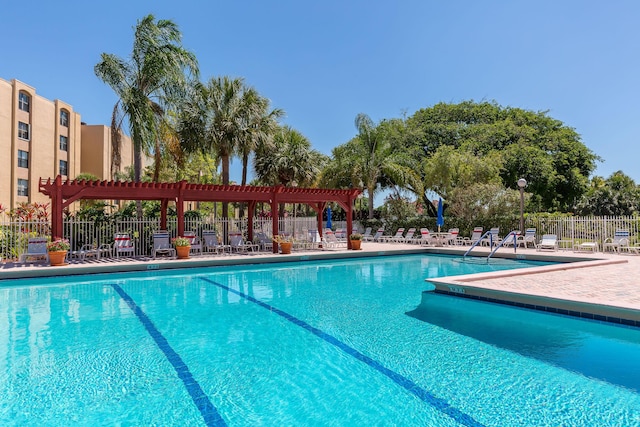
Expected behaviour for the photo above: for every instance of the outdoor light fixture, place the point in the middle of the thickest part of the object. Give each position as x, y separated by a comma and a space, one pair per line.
521, 184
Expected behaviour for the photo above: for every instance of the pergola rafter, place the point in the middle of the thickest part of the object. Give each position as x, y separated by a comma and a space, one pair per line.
63, 193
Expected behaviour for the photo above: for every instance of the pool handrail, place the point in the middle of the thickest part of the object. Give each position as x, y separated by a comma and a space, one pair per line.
477, 242
515, 234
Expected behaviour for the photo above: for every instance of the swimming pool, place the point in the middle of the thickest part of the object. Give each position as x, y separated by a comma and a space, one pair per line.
320, 343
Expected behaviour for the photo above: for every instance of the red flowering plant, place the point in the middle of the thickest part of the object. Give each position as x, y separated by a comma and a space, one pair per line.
58, 244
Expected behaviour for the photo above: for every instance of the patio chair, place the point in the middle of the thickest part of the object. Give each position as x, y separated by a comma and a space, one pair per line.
451, 238
265, 243
329, 240
162, 245
376, 237
528, 238
620, 238
211, 244
122, 244
586, 247
476, 235
314, 238
87, 250
408, 237
196, 242
237, 243
106, 250
425, 239
398, 235
367, 234
549, 242
493, 238
36, 248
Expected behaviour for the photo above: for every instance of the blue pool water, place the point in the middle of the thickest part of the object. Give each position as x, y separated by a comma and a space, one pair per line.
340, 343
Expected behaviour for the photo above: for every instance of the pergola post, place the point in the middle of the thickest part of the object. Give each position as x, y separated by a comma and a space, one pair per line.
250, 212
180, 208
56, 209
164, 204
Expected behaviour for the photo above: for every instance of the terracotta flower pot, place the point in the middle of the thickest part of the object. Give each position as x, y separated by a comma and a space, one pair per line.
355, 244
285, 247
183, 251
56, 258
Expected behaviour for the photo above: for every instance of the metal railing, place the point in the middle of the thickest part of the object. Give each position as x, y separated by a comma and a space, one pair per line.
14, 235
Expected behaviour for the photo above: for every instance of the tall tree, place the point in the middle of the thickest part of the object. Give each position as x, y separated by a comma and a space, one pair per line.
290, 159
532, 145
372, 160
156, 76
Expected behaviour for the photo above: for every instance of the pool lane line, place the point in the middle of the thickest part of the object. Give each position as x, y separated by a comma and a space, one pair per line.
209, 412
439, 404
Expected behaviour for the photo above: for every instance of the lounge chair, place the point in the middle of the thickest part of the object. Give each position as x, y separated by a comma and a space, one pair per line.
549, 242
314, 239
452, 237
408, 237
376, 237
528, 238
329, 240
367, 234
36, 248
492, 238
237, 243
265, 243
196, 242
162, 245
88, 250
211, 244
586, 247
476, 235
620, 238
398, 235
425, 239
122, 244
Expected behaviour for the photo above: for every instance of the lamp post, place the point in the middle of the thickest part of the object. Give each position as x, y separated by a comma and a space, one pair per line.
521, 184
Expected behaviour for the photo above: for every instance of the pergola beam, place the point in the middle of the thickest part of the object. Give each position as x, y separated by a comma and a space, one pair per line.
62, 194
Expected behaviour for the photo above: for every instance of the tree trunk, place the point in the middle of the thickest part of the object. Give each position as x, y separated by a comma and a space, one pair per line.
137, 172
370, 202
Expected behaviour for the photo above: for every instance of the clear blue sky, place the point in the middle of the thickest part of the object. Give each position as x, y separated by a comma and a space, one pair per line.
325, 62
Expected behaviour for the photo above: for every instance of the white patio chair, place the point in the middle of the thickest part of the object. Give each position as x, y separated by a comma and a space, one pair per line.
549, 242
196, 242
211, 244
620, 238
36, 248
123, 245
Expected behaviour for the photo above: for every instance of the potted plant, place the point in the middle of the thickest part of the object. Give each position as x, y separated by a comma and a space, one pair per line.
183, 247
57, 250
284, 242
356, 241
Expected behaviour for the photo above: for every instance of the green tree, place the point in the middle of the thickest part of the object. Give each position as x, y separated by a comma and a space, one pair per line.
617, 195
290, 159
532, 145
371, 160
156, 76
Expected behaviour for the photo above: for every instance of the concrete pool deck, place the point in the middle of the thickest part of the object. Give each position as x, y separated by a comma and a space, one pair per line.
598, 286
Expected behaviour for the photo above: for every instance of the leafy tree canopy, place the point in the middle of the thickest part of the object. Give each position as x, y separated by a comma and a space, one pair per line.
531, 145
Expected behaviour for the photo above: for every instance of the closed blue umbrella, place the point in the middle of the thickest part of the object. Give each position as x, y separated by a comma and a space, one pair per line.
328, 217
440, 219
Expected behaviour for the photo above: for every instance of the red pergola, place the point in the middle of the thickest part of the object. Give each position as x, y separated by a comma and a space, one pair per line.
63, 193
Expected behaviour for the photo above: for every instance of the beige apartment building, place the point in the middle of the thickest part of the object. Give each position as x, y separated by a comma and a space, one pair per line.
40, 139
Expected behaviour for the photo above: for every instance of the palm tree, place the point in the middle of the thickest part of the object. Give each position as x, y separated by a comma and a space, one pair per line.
225, 117
370, 160
261, 124
290, 159
155, 77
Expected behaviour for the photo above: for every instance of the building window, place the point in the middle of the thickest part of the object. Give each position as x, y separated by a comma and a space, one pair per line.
63, 167
23, 159
64, 118
23, 187
64, 143
23, 101
23, 130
